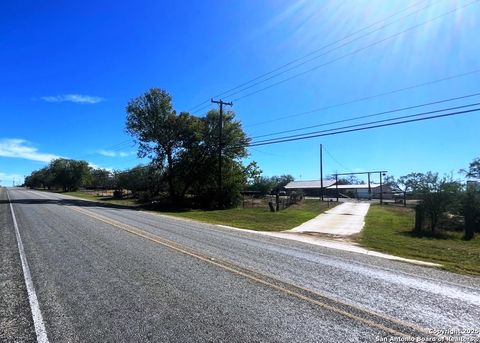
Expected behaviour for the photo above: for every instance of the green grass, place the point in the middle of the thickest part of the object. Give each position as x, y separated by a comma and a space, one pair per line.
258, 219
388, 229
105, 199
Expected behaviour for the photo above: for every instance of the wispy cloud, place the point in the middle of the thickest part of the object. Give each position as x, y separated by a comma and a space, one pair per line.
20, 148
8, 178
76, 98
112, 153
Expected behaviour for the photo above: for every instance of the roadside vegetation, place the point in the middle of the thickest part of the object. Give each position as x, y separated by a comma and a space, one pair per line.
256, 218
197, 170
259, 219
390, 229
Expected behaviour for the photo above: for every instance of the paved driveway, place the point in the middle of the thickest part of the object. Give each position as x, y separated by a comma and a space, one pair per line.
345, 219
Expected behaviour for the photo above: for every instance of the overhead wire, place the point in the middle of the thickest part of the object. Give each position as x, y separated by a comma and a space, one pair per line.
370, 115
341, 130
379, 95
335, 160
195, 108
356, 51
375, 122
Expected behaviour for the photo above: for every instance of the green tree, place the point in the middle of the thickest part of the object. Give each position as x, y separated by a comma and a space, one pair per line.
69, 174
101, 179
419, 183
471, 212
438, 195
198, 163
140, 179
262, 184
188, 146
473, 169
153, 122
42, 178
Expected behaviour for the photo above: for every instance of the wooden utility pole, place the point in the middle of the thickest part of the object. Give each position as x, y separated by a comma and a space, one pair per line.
220, 148
336, 185
381, 188
321, 171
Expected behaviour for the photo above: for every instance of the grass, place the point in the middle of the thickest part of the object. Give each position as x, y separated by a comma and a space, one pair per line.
258, 219
388, 229
106, 199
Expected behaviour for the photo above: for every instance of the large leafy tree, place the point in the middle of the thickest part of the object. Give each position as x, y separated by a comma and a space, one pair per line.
61, 173
265, 184
153, 122
199, 161
101, 178
188, 146
42, 178
140, 179
438, 195
69, 174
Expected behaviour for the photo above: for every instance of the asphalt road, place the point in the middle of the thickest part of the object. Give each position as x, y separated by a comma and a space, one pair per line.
105, 274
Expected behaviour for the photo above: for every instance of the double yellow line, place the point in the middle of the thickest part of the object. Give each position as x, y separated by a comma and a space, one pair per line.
372, 319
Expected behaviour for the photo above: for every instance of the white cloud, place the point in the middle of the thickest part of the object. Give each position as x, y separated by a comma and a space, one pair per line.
95, 166
18, 148
111, 153
9, 178
76, 98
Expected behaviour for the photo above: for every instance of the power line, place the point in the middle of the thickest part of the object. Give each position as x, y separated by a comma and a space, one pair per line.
326, 53
342, 130
314, 52
346, 55
374, 122
379, 95
369, 115
370, 97
335, 160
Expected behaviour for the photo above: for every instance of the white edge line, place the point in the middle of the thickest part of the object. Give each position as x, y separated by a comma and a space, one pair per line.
32, 295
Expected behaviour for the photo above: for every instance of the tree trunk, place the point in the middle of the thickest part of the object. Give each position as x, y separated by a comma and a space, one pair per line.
419, 217
171, 189
469, 226
433, 222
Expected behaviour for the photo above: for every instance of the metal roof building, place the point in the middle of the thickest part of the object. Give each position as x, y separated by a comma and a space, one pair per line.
309, 184
362, 191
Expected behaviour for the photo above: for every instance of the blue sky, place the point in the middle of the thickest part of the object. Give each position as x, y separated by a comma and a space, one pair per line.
68, 70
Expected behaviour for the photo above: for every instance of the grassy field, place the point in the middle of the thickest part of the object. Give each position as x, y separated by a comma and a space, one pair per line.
101, 198
388, 229
259, 219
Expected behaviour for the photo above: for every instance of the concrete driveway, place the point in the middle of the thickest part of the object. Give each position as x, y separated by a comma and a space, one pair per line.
343, 220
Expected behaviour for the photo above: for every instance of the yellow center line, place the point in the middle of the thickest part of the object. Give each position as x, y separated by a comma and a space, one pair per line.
179, 248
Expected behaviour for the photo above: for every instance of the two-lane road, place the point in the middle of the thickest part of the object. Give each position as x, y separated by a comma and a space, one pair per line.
105, 274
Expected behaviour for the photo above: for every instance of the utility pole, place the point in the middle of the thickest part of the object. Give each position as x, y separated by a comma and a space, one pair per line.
321, 171
220, 148
369, 188
381, 189
336, 184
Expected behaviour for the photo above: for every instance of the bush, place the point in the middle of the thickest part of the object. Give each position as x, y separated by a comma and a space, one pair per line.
118, 194
471, 212
144, 196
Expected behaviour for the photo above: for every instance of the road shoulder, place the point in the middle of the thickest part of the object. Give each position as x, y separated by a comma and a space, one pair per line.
15, 315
